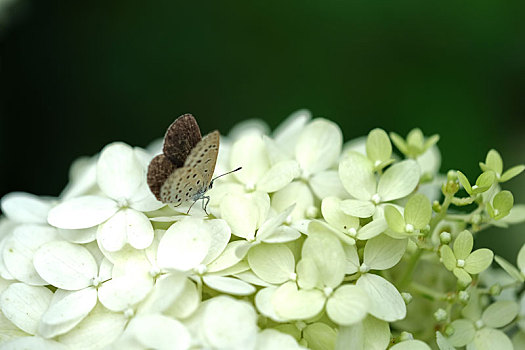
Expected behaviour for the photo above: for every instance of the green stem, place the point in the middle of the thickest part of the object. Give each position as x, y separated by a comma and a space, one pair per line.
426, 291
411, 266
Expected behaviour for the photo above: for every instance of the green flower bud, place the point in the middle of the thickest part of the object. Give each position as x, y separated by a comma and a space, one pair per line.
445, 237
495, 289
440, 315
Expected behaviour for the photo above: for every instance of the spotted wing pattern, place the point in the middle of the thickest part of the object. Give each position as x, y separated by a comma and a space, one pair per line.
191, 181
181, 137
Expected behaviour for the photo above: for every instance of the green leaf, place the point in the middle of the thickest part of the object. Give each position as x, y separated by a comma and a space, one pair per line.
418, 211
512, 172
479, 260
484, 182
500, 314
348, 305
378, 146
394, 219
464, 332
399, 142
449, 260
509, 268
464, 182
463, 245
494, 162
463, 277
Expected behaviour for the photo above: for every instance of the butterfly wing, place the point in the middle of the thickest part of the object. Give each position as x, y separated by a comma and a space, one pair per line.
181, 138
159, 170
185, 183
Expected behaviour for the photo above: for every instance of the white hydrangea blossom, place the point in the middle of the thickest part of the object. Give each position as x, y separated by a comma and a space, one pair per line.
312, 245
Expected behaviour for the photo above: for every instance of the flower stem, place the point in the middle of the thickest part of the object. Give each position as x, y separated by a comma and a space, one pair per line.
427, 292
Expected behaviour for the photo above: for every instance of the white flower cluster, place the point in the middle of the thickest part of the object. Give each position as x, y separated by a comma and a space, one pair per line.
313, 244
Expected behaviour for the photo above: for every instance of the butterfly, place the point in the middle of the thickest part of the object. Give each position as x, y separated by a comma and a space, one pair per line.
183, 171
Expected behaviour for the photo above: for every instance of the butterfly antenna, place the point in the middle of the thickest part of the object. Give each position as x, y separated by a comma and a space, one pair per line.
229, 172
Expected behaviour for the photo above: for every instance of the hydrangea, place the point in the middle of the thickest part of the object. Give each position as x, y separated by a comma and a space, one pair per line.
314, 244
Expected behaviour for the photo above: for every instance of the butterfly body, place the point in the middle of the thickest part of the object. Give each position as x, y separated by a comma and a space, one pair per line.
183, 172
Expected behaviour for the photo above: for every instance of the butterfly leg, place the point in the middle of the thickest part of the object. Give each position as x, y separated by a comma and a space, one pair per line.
204, 206
190, 207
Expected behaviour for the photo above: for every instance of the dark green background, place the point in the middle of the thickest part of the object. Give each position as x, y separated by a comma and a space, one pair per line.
77, 75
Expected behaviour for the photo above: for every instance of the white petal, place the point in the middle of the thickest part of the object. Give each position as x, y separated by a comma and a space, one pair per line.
278, 176
319, 146
327, 183
347, 305
263, 301
250, 153
82, 178
248, 127
82, 212
160, 332
489, 338
356, 174
352, 259
411, 345
8, 330
290, 303
66, 310
329, 257
26, 343
385, 301
65, 265
229, 256
500, 314
229, 323
274, 263
120, 293
242, 215
80, 236
220, 234
335, 217
24, 305
20, 247
144, 200
166, 290
186, 303
289, 131
296, 193
119, 171
370, 334
25, 207
251, 278
383, 252
229, 285
4, 273
372, 229
271, 224
184, 245
282, 234
399, 180
270, 339
98, 330
359, 208
137, 227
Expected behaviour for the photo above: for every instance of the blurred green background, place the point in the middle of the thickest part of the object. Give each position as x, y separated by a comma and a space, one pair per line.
78, 75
